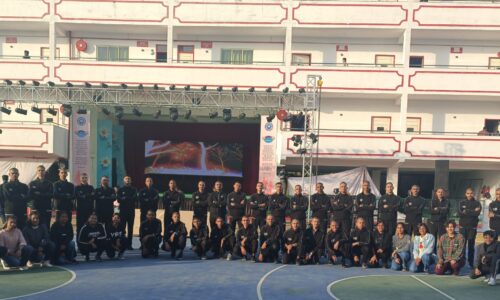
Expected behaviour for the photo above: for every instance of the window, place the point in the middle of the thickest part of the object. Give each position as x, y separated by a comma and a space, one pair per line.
236, 56
492, 126
494, 63
161, 53
301, 59
381, 124
45, 53
413, 124
185, 54
384, 60
416, 61
112, 53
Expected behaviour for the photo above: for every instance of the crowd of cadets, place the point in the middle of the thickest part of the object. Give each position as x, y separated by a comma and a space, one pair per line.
341, 228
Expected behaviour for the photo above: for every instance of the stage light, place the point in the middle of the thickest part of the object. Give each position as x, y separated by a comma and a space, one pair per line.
124, 86
234, 89
52, 111
8, 82
242, 116
51, 83
106, 111
174, 113
213, 115
257, 115
119, 112
82, 111
140, 87
302, 151
5, 110
226, 114
67, 110
104, 85
35, 83
297, 140
270, 118
286, 90
251, 90
137, 112
22, 82
268, 90
172, 87
69, 84
187, 87
88, 85
155, 87
187, 115
219, 89
36, 109
196, 101
313, 137
204, 88
21, 111
157, 114
97, 98
302, 90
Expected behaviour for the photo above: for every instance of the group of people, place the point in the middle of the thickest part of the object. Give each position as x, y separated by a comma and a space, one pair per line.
253, 228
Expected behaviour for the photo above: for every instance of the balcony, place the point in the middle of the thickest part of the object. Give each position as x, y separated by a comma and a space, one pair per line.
26, 69
482, 15
16, 10
44, 139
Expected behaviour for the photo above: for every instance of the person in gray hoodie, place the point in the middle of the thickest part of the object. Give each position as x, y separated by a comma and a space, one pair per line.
37, 236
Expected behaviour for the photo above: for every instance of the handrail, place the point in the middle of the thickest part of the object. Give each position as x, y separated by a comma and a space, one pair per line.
397, 132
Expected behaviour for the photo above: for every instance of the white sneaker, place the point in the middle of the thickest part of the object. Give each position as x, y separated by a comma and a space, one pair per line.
29, 264
486, 279
492, 281
22, 268
4, 265
47, 264
229, 256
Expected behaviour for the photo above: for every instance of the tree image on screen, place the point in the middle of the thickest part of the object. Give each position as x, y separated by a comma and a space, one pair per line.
194, 158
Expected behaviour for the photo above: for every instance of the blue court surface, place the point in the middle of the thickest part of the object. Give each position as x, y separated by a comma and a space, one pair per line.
191, 278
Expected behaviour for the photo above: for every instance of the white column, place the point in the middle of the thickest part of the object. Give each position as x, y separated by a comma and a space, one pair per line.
392, 176
52, 40
406, 70
170, 32
288, 44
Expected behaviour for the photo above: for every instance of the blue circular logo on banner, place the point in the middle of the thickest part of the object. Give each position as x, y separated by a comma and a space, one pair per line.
268, 126
268, 139
81, 121
81, 133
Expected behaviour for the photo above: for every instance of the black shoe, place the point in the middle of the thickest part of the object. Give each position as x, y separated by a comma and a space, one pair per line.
130, 248
98, 258
87, 258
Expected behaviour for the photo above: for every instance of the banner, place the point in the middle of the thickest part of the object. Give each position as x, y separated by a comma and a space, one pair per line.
267, 160
104, 151
80, 147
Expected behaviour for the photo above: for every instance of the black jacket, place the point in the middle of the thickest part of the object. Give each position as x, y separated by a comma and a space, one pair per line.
413, 207
291, 237
236, 202
439, 210
88, 233
172, 200
341, 207
278, 204
249, 233
298, 207
150, 227
217, 202
127, 197
36, 236
15, 197
178, 229
319, 205
61, 235
365, 205
382, 241
334, 237
313, 241
41, 193
200, 201
104, 199
115, 233
468, 212
85, 198
494, 208
258, 205
198, 235
391, 212
64, 194
364, 237
217, 234
148, 199
270, 234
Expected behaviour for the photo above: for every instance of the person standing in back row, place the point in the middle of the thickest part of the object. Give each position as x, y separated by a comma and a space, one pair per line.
413, 207
298, 207
468, 212
104, 201
200, 203
236, 202
278, 203
127, 198
341, 207
15, 197
148, 199
64, 195
41, 192
364, 204
494, 213
319, 205
258, 207
172, 201
439, 208
217, 202
84, 201
388, 206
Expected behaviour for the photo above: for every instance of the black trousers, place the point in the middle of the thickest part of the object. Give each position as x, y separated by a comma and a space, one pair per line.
21, 218
258, 220
384, 257
214, 217
45, 216
176, 247
270, 253
250, 248
86, 249
82, 216
111, 252
364, 252
150, 245
490, 268
235, 220
470, 242
218, 249
127, 218
201, 214
412, 228
104, 217
437, 229
390, 226
200, 247
68, 211
342, 251
290, 258
304, 250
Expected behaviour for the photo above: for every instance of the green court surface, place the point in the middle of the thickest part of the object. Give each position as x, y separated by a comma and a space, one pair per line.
19, 283
410, 288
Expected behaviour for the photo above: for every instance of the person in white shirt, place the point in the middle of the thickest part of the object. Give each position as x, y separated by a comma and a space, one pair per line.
423, 249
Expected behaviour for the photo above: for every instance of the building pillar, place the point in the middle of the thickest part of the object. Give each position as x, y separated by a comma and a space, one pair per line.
170, 33
376, 178
393, 176
442, 174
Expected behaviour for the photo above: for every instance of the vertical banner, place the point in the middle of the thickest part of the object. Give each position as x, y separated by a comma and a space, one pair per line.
104, 150
80, 146
267, 159
118, 153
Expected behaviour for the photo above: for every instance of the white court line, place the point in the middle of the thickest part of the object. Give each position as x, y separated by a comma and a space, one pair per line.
430, 286
329, 287
73, 277
261, 281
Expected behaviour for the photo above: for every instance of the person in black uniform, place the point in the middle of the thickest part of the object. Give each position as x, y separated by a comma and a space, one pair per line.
468, 212
269, 240
388, 206
5, 179
84, 201
148, 199
15, 197
494, 213
298, 206
221, 239
487, 256
258, 207
341, 208
92, 238
236, 202
440, 209
364, 204
337, 244
217, 202
64, 195
127, 198
175, 237
199, 238
150, 235
61, 233
104, 201
361, 243
246, 241
319, 205
313, 243
382, 246
413, 207
200, 203
292, 239
117, 241
172, 200
40, 194
278, 203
